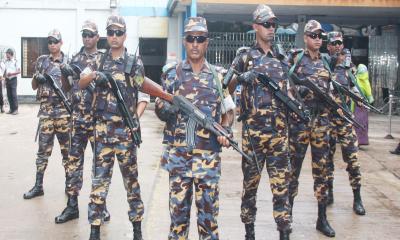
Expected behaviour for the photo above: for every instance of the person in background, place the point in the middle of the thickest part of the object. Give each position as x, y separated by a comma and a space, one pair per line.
2, 68
11, 72
360, 113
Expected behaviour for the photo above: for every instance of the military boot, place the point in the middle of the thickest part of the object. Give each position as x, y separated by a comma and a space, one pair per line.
396, 150
357, 204
284, 234
330, 193
137, 231
70, 212
250, 234
94, 232
322, 222
37, 190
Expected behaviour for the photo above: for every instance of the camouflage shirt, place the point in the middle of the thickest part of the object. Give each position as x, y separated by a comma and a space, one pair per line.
106, 107
313, 70
257, 99
51, 105
82, 99
202, 90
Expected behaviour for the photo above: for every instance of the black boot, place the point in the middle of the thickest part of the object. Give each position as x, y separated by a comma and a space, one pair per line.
70, 212
284, 234
37, 190
94, 232
357, 204
397, 150
330, 193
137, 231
322, 223
250, 234
106, 215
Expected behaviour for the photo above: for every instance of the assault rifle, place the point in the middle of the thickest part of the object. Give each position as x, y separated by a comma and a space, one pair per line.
59, 92
204, 121
231, 70
126, 115
292, 105
77, 70
327, 100
365, 104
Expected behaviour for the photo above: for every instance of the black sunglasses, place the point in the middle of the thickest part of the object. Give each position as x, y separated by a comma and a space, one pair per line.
52, 41
198, 39
315, 35
268, 24
336, 43
111, 33
88, 34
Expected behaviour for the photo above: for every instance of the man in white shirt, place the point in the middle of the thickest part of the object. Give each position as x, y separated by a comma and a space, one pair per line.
11, 72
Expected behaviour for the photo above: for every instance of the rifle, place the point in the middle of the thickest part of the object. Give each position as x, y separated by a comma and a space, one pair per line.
231, 71
204, 121
126, 115
59, 92
78, 71
292, 105
365, 104
326, 99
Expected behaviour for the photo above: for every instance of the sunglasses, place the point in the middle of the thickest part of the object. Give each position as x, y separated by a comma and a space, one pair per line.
336, 43
88, 34
268, 24
315, 35
52, 41
118, 33
198, 39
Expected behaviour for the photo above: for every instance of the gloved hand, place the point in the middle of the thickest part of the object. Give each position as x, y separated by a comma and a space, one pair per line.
66, 70
40, 79
101, 79
165, 111
246, 77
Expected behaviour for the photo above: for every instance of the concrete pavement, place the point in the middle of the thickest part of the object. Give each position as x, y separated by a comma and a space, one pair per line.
34, 219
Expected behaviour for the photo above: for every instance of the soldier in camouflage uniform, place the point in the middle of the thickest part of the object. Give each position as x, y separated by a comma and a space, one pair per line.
341, 130
112, 136
193, 159
82, 121
54, 120
309, 64
264, 132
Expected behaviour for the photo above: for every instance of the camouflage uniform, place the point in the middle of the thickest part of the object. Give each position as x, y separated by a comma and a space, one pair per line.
193, 159
54, 120
343, 131
82, 125
315, 132
267, 123
112, 138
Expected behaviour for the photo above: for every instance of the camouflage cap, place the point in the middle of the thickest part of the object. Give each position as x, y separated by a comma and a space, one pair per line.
335, 36
89, 26
313, 26
116, 21
195, 24
263, 13
55, 33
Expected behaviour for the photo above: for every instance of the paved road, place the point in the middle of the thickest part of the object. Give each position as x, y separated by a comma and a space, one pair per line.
34, 219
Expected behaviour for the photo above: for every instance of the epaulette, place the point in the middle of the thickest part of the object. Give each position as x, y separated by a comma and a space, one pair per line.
169, 66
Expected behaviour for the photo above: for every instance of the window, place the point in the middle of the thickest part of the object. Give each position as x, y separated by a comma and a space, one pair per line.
32, 48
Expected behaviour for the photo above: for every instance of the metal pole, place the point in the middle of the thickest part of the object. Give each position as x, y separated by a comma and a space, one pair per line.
389, 135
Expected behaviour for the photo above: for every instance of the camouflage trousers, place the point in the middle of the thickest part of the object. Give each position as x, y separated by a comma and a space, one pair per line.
271, 149
112, 140
344, 133
315, 133
50, 127
206, 193
82, 132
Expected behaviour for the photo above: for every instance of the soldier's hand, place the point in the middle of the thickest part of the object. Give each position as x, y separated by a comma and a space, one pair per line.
66, 70
101, 79
246, 77
40, 79
340, 112
223, 141
359, 103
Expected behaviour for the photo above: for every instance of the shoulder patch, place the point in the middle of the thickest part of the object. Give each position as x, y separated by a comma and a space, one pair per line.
167, 67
